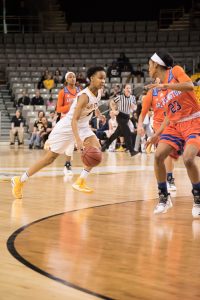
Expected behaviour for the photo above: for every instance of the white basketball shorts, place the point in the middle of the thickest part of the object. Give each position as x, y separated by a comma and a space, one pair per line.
61, 139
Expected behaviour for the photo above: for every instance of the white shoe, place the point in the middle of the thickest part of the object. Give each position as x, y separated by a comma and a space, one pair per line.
67, 171
196, 210
196, 205
171, 185
163, 205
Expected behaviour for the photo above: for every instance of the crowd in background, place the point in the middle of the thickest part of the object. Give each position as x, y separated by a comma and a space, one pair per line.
103, 127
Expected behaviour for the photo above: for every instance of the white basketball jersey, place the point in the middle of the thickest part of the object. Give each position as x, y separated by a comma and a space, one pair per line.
86, 113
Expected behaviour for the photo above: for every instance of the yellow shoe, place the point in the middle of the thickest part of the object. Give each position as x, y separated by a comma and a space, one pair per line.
148, 149
17, 187
120, 149
80, 185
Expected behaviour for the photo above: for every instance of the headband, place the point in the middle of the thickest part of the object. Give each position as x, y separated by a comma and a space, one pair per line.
67, 74
158, 60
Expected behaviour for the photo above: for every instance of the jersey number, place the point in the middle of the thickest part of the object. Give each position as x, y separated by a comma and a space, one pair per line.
174, 107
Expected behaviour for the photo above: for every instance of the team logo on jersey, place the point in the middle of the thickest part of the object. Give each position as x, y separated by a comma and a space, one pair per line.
170, 96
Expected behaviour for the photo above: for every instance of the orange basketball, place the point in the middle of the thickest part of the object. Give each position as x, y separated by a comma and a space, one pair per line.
91, 156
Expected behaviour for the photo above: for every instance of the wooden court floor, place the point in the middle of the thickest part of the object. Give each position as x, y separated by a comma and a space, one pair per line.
58, 243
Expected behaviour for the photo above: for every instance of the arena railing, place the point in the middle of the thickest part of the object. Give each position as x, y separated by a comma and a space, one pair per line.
21, 24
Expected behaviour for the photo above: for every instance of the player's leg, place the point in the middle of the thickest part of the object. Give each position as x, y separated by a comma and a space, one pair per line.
69, 156
162, 152
189, 155
80, 183
18, 181
59, 139
113, 137
190, 131
169, 165
68, 166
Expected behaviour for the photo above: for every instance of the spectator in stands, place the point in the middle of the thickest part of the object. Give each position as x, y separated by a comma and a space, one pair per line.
49, 83
51, 103
116, 91
23, 100
138, 73
124, 63
114, 70
106, 68
79, 85
35, 137
101, 131
57, 76
112, 123
104, 94
81, 79
52, 118
17, 128
44, 77
45, 131
37, 99
95, 122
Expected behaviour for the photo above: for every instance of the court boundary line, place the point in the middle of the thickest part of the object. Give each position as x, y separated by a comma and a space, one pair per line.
12, 250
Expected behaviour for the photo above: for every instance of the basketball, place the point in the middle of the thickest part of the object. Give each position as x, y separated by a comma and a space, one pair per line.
91, 156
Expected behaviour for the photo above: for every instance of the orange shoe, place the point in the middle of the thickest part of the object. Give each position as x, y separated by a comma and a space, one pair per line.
80, 185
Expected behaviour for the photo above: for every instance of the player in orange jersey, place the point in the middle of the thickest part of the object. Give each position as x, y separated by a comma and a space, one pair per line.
66, 97
183, 130
151, 101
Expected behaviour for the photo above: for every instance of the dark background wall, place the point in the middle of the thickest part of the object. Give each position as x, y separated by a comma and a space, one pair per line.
98, 10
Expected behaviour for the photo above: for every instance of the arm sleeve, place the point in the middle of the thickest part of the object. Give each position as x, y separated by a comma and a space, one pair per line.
61, 108
116, 99
180, 75
146, 104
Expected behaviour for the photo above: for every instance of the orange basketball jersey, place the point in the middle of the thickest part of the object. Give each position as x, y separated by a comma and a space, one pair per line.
178, 104
152, 100
66, 97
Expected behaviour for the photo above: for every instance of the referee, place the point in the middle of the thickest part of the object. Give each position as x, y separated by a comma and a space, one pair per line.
125, 103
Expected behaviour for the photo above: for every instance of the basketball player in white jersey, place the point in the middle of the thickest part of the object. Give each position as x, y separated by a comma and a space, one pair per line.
73, 127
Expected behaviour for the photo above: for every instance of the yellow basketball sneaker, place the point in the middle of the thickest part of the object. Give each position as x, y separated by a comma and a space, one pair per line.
17, 187
120, 149
80, 185
148, 149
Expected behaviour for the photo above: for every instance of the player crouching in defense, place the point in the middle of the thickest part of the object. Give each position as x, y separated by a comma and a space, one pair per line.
75, 125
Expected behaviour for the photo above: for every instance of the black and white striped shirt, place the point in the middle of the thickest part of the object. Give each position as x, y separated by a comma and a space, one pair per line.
125, 103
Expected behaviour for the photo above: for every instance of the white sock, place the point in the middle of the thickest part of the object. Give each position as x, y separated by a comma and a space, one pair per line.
24, 177
84, 174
